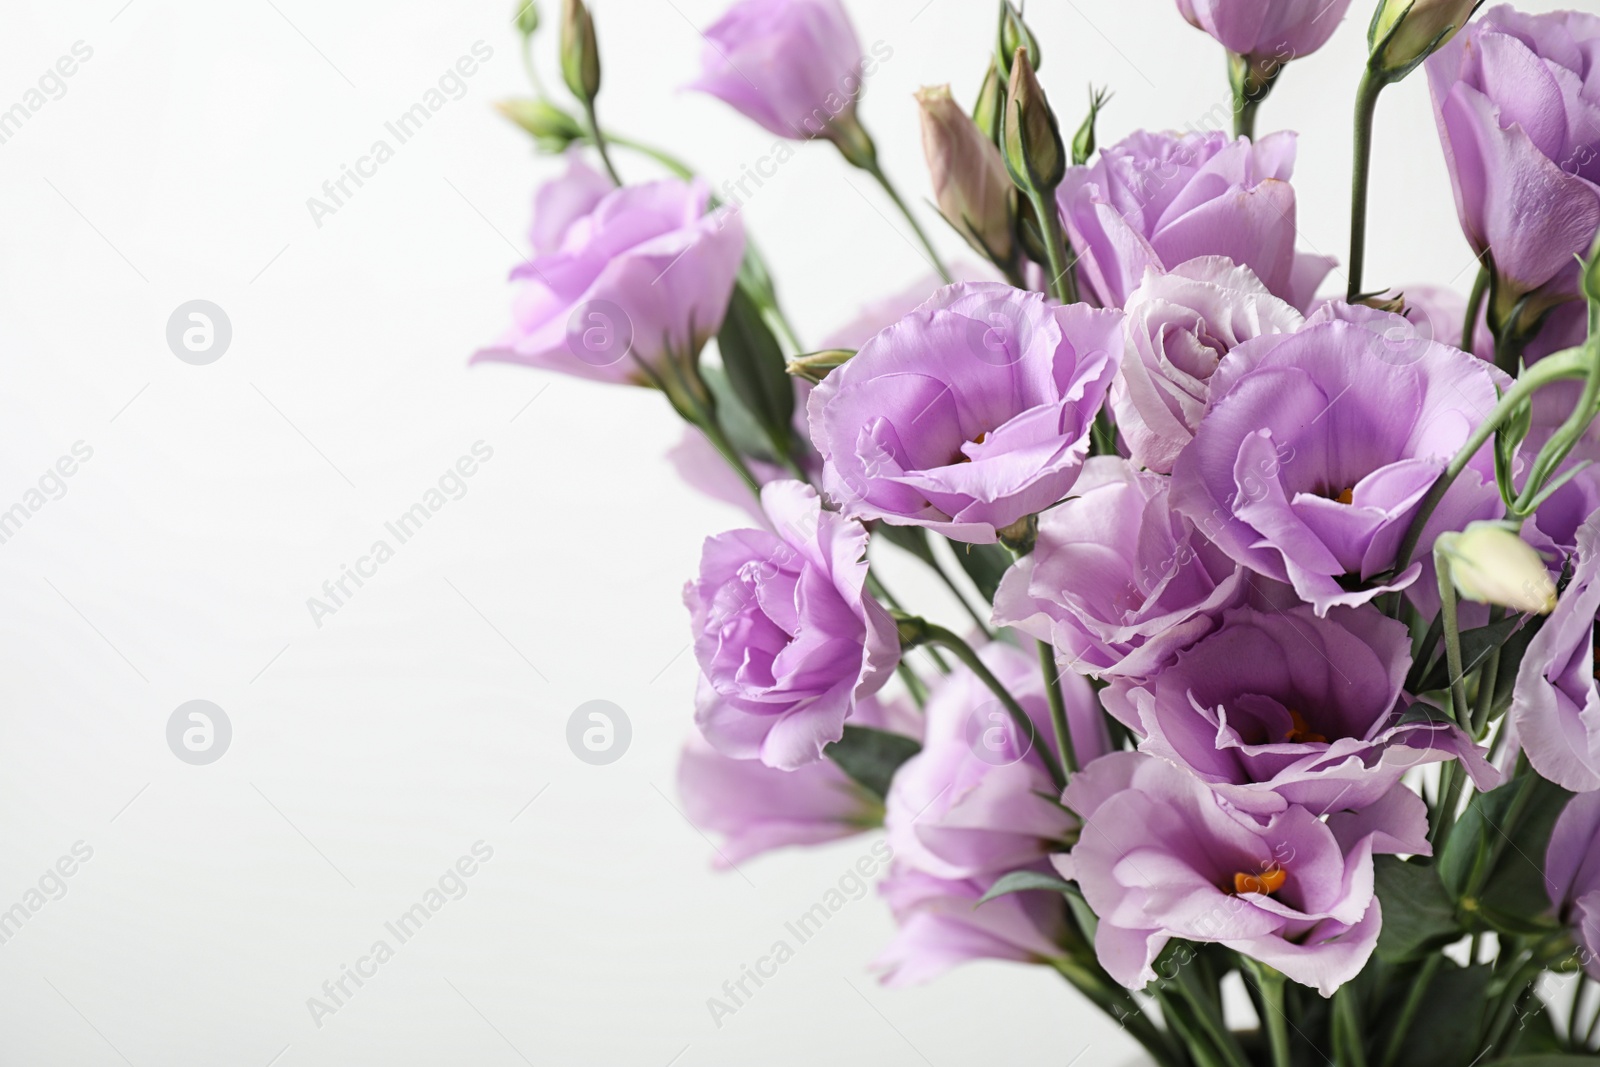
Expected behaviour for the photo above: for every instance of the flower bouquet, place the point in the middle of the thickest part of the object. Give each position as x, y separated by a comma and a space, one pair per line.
1280, 666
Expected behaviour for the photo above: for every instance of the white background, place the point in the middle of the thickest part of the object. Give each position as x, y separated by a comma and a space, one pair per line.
370, 753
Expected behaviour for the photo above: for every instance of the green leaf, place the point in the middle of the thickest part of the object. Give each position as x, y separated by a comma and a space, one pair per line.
1022, 881
1501, 848
748, 438
1444, 1032
1418, 914
870, 757
1545, 1059
756, 370
984, 564
1476, 644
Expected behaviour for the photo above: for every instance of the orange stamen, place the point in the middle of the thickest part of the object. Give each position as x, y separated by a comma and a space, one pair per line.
1267, 882
1300, 733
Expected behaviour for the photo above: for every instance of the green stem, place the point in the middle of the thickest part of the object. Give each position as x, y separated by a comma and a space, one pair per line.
1556, 450
599, 139
1063, 282
1579, 984
1594, 1027
876, 587
1244, 118
1348, 1051
1516, 987
913, 684
872, 167
1181, 1015
955, 590
1451, 781
1572, 363
686, 391
1208, 1014
1510, 343
1372, 84
1408, 1010
1507, 832
933, 633
1058, 708
712, 428
1452, 641
1269, 985
672, 163
1119, 1004
1487, 679
1469, 328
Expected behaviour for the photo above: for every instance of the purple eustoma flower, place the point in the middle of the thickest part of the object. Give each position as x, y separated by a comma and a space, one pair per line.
561, 202
969, 414
1160, 199
1280, 30
1118, 581
787, 638
1555, 706
942, 925
643, 276
1161, 856
1180, 325
1518, 104
756, 808
1572, 875
1319, 446
794, 66
1279, 708
977, 799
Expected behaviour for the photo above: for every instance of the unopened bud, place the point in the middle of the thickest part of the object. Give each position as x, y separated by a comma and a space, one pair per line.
1014, 34
970, 183
1083, 141
1034, 153
989, 112
580, 54
553, 128
1490, 564
814, 366
527, 17
1405, 32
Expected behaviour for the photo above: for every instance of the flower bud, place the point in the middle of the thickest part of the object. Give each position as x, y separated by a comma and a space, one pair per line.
1405, 32
527, 17
1014, 34
553, 128
1083, 141
1034, 153
970, 183
1490, 564
989, 112
580, 54
814, 366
